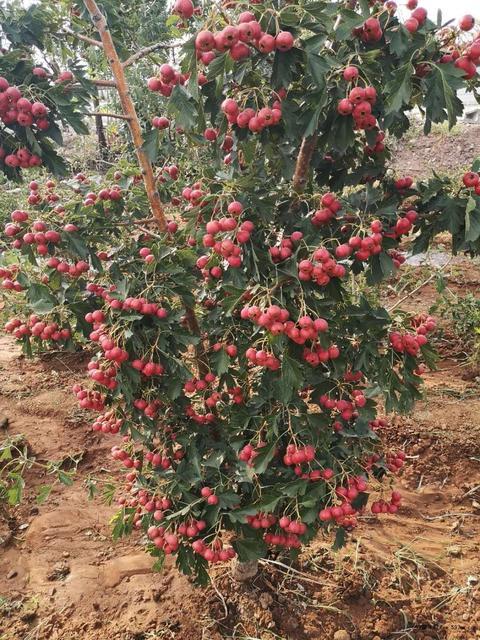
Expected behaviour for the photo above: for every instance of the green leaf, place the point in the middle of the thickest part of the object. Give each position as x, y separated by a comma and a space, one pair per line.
264, 457
399, 90
291, 379
349, 20
318, 67
43, 493
65, 478
441, 100
182, 105
250, 549
472, 221
151, 144
340, 539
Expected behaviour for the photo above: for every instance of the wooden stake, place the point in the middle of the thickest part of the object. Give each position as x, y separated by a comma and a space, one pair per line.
128, 108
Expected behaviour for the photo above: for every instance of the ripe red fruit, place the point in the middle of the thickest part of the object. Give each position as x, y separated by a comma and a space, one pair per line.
345, 107
205, 41
154, 84
471, 179
160, 122
419, 14
284, 41
412, 4
411, 25
266, 44
210, 134
469, 67
466, 23
184, 8
350, 73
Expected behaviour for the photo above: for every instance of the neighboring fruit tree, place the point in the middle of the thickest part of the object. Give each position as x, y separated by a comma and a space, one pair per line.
238, 350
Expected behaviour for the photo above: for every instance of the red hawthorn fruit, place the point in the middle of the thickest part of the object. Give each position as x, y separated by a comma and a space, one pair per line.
466, 23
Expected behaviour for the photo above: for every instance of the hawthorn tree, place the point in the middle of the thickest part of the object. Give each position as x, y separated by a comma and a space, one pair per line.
238, 352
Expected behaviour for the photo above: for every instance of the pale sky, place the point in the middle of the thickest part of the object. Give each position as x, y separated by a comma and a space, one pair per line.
450, 8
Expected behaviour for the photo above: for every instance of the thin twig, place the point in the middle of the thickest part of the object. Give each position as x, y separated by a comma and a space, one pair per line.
147, 50
420, 286
304, 576
104, 114
80, 36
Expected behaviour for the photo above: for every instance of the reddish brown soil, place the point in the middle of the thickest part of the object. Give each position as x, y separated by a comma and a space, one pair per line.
415, 576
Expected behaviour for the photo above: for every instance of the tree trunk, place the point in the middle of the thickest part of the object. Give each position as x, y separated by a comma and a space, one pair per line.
304, 159
129, 110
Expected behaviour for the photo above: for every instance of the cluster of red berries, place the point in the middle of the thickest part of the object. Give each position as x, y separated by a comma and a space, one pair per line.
261, 520
397, 257
139, 305
321, 268
72, 270
229, 247
344, 514
158, 460
254, 120
378, 147
195, 384
195, 195
317, 355
104, 377
381, 506
238, 39
168, 542
148, 369
299, 455
89, 399
107, 423
164, 83
424, 324
276, 321
15, 109
378, 423
21, 158
209, 496
150, 409
111, 350
290, 541
395, 461
346, 408
471, 180
359, 105
403, 184
191, 528
370, 31
127, 461
248, 453
215, 552
51, 197
363, 248
262, 358
170, 171
199, 418
284, 249
230, 349
330, 207
114, 194
407, 342
48, 331
416, 19
8, 282
404, 225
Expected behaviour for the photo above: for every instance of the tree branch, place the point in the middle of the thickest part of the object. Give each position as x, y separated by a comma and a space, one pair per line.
103, 114
104, 83
303, 163
147, 50
92, 41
